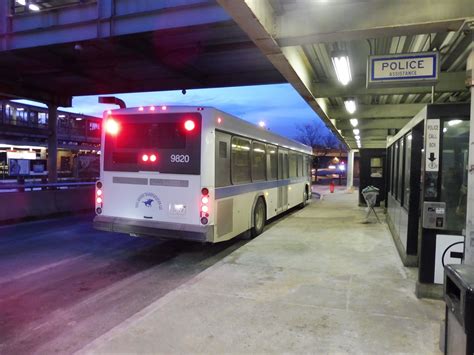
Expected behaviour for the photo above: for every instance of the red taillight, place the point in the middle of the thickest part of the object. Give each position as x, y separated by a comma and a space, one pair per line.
149, 158
189, 125
204, 206
99, 200
112, 127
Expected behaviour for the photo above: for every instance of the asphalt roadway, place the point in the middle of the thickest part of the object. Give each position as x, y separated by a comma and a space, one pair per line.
63, 284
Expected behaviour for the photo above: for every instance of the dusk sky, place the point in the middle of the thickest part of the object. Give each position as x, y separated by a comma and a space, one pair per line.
279, 106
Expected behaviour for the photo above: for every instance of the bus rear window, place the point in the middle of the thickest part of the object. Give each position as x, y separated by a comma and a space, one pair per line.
166, 135
158, 142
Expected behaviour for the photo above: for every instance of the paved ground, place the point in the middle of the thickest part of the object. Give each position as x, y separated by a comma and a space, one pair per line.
63, 284
317, 281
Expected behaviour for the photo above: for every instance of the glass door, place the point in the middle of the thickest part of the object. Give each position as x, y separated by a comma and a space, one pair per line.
454, 164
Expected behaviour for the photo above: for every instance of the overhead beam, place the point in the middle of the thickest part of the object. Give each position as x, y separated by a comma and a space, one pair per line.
448, 82
257, 19
364, 124
376, 111
18, 91
315, 22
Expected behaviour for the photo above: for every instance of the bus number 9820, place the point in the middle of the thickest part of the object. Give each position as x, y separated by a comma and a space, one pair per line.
179, 158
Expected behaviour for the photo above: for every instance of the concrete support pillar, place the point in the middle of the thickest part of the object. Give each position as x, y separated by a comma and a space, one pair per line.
469, 247
53, 143
350, 169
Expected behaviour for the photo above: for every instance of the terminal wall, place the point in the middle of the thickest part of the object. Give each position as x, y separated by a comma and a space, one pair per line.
35, 204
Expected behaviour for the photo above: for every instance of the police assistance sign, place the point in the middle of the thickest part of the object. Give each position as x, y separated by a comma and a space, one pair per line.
403, 69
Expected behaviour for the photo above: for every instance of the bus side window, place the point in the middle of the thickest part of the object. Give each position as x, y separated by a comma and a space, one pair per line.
293, 165
300, 165
258, 161
222, 170
272, 162
240, 160
282, 163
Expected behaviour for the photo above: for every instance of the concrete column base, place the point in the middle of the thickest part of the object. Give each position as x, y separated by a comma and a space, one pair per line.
432, 291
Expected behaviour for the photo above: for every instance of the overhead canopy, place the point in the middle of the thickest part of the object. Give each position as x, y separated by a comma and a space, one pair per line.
70, 48
300, 36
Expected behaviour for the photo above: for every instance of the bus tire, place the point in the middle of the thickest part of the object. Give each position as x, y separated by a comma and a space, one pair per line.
259, 218
305, 197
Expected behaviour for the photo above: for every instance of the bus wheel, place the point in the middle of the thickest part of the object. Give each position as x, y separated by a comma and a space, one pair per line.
305, 198
259, 217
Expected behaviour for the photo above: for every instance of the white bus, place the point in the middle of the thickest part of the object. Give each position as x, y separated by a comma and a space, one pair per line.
195, 173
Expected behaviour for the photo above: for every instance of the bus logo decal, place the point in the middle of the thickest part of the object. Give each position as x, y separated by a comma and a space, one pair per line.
147, 200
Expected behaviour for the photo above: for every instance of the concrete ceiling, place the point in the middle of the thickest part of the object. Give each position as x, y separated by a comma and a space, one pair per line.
56, 53
298, 37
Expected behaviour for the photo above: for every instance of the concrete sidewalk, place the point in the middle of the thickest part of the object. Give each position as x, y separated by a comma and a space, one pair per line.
317, 281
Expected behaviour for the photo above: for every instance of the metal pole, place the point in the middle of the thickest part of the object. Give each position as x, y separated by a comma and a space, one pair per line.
469, 246
350, 169
53, 143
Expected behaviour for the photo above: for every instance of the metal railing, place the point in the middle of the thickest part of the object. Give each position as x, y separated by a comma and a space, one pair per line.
38, 186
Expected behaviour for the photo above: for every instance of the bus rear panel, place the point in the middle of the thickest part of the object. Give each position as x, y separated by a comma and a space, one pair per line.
151, 175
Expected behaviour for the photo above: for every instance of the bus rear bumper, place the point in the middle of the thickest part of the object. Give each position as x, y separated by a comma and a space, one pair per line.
154, 228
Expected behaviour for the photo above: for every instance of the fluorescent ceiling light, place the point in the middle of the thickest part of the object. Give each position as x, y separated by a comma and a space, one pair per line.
342, 67
357, 138
354, 122
20, 109
21, 2
410, 137
356, 131
34, 7
79, 118
454, 122
61, 116
350, 106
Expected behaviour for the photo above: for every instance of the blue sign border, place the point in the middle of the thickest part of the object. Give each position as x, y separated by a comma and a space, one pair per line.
433, 76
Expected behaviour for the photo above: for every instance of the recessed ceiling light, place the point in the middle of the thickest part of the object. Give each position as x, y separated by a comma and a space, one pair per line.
350, 106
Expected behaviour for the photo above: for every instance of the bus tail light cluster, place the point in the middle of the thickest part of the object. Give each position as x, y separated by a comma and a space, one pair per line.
149, 158
204, 206
112, 127
98, 197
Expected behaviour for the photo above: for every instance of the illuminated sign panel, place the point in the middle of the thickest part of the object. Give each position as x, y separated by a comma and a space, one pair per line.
403, 69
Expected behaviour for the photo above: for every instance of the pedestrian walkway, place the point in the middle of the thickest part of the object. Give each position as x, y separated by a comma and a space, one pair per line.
317, 281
